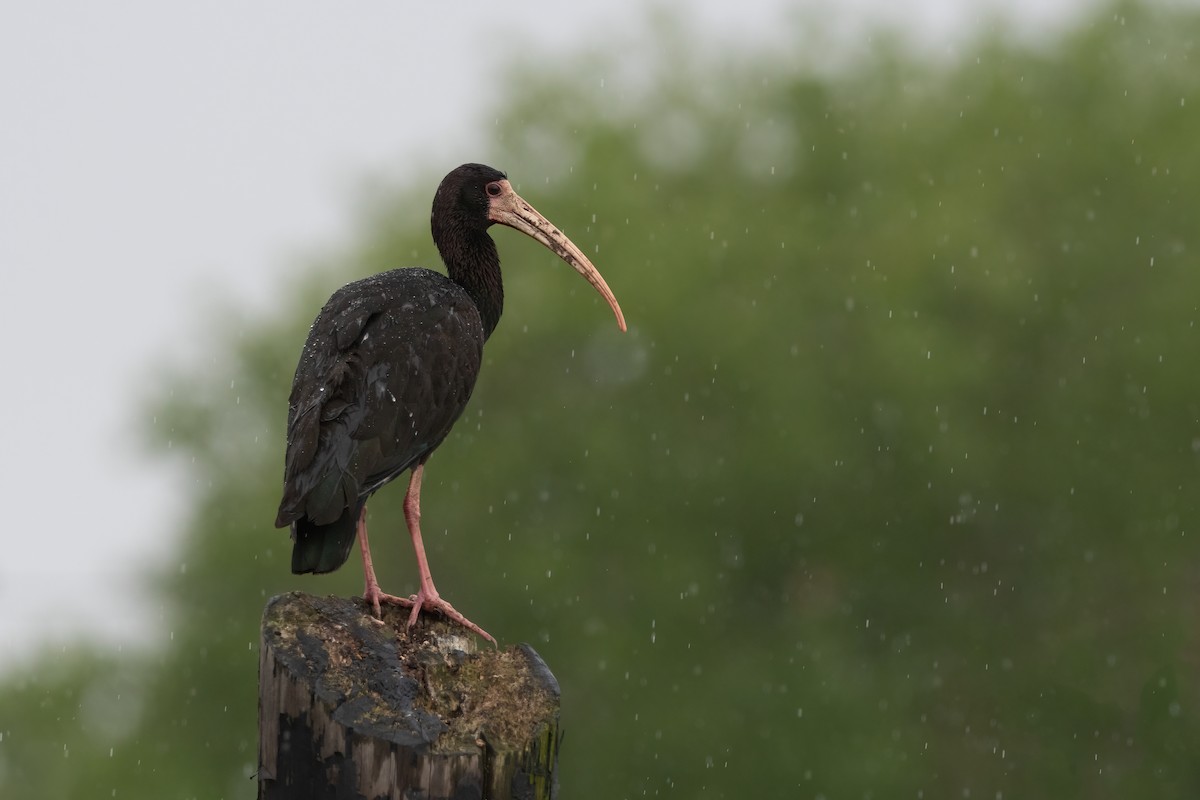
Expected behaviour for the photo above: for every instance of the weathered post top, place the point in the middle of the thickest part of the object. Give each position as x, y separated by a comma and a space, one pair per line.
353, 708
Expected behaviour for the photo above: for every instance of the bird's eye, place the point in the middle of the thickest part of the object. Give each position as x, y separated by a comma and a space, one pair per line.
493, 189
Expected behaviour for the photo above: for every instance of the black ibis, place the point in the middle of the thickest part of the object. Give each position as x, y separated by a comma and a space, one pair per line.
388, 367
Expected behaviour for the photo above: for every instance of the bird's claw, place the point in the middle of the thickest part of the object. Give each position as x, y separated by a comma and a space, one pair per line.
375, 598
432, 602
420, 602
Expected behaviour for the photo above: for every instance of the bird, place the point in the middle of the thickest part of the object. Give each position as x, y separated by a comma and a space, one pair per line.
388, 367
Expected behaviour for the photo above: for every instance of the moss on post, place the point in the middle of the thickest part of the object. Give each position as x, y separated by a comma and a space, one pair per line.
351, 708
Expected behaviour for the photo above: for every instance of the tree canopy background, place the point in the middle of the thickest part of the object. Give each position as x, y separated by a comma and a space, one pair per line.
888, 492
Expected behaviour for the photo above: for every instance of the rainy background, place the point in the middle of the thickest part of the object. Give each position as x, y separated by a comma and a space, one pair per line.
889, 490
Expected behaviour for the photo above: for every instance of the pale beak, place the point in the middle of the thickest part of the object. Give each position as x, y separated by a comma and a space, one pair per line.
509, 209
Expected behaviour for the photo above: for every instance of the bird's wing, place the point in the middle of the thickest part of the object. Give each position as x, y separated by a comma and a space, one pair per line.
388, 367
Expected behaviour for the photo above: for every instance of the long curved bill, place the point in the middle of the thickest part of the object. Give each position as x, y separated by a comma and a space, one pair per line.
509, 209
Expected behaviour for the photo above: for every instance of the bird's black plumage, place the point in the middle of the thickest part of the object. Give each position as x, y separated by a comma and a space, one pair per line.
389, 365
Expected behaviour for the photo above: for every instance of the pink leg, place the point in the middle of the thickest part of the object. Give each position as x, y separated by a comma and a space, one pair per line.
427, 598
371, 592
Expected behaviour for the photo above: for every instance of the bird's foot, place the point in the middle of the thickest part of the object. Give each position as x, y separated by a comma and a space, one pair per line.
374, 598
421, 601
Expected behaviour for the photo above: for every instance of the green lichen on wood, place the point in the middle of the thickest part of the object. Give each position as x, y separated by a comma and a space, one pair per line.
540, 758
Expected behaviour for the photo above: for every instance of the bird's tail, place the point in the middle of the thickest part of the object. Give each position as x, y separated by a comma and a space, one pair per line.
323, 548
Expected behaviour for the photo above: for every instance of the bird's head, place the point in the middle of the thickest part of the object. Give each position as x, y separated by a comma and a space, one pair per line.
462, 198
473, 197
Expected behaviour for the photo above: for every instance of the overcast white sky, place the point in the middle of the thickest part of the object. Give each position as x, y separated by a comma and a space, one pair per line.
152, 152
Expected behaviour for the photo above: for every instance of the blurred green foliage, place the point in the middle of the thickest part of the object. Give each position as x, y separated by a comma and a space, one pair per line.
888, 492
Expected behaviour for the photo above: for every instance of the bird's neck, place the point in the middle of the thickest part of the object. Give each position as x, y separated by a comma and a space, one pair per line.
475, 266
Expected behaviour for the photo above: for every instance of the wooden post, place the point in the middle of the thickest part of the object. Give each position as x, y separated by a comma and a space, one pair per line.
353, 709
